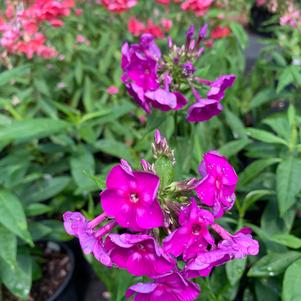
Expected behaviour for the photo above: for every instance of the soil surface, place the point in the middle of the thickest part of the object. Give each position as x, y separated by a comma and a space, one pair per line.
55, 268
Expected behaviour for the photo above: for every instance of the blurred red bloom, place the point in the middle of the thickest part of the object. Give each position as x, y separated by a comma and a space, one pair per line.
166, 24
199, 7
118, 6
220, 32
135, 27
164, 2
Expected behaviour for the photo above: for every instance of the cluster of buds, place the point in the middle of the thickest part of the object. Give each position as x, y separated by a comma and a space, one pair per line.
21, 22
156, 81
169, 235
160, 148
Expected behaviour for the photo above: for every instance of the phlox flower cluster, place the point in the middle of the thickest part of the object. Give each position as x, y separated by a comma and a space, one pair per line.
164, 226
289, 11
117, 6
156, 81
198, 7
137, 27
20, 25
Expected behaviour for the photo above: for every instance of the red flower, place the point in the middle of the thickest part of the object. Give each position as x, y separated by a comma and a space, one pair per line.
220, 32
135, 27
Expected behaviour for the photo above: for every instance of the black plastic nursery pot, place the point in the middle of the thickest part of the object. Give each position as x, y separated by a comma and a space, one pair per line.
67, 290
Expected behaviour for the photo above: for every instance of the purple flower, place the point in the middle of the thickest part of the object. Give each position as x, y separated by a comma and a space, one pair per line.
139, 254
236, 246
170, 287
203, 110
220, 85
140, 65
132, 199
217, 187
192, 235
91, 240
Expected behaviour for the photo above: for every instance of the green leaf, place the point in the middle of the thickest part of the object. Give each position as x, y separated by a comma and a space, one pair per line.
267, 289
37, 209
285, 78
253, 197
235, 124
288, 240
235, 269
292, 282
45, 189
232, 148
8, 251
262, 97
240, 34
82, 168
254, 169
273, 264
31, 129
18, 278
7, 76
12, 215
288, 183
265, 136
115, 148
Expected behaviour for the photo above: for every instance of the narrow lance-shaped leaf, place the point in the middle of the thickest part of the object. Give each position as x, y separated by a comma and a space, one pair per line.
288, 183
12, 215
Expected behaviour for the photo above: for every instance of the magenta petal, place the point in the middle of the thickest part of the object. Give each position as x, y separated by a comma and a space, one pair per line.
101, 255
174, 243
206, 191
181, 100
150, 217
73, 221
144, 288
118, 178
203, 110
148, 185
112, 201
162, 99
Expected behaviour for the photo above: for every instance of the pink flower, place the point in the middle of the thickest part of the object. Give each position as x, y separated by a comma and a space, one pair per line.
139, 254
135, 27
118, 6
78, 11
217, 187
170, 287
90, 239
80, 39
131, 198
166, 24
199, 7
163, 2
192, 235
112, 90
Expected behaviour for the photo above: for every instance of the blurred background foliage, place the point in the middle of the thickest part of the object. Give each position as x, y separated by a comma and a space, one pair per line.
60, 133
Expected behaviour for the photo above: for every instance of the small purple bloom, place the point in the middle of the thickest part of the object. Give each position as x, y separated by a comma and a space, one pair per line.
193, 235
170, 287
188, 69
217, 187
139, 254
132, 199
91, 240
220, 85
